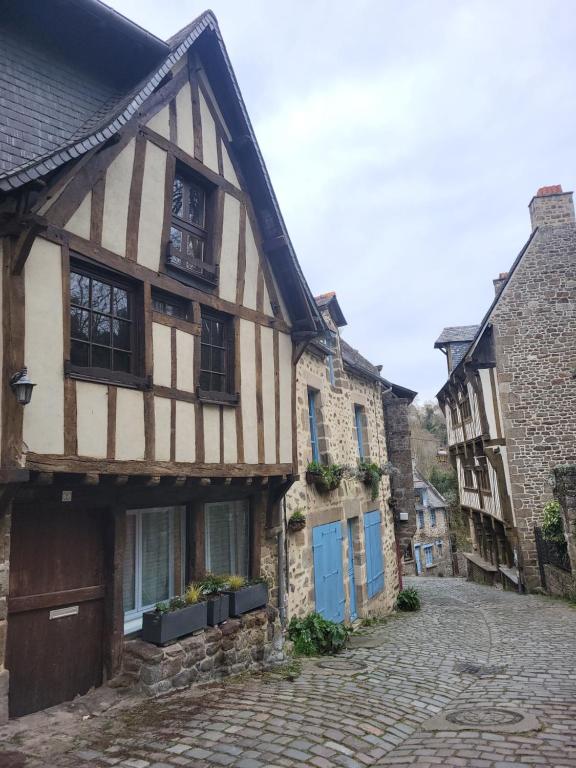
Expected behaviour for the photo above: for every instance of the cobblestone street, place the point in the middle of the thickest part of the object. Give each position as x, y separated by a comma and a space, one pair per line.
478, 678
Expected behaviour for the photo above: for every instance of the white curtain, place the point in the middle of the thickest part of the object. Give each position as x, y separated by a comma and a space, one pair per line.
227, 535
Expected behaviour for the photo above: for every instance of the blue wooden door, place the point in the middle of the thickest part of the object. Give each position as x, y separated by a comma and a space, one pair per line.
417, 559
351, 579
328, 571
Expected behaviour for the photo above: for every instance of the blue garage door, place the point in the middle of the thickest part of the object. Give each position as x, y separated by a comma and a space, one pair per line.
328, 571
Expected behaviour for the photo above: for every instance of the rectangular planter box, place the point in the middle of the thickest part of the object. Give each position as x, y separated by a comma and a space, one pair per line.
248, 598
161, 628
218, 609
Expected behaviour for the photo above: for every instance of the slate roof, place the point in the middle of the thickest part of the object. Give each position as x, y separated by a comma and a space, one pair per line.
329, 301
435, 498
354, 359
456, 333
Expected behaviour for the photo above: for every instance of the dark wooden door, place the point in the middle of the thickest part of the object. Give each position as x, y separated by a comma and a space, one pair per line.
55, 606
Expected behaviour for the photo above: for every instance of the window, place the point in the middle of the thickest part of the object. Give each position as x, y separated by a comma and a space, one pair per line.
465, 409
332, 344
454, 418
102, 332
226, 528
216, 358
374, 557
173, 306
468, 477
433, 518
428, 554
361, 431
484, 478
313, 421
153, 560
189, 250
420, 519
439, 548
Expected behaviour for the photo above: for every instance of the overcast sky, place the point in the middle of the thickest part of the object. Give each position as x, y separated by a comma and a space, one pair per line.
404, 141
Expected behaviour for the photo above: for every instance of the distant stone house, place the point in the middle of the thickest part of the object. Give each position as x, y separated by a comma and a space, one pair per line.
431, 545
510, 399
344, 562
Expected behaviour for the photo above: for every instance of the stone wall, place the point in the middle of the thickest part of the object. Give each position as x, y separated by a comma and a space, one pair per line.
565, 492
252, 642
535, 343
338, 443
559, 583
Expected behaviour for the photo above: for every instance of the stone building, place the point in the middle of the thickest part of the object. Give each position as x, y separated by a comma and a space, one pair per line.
344, 562
431, 545
510, 400
150, 287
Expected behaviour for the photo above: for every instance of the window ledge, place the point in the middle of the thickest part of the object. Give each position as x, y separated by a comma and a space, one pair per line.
218, 398
105, 376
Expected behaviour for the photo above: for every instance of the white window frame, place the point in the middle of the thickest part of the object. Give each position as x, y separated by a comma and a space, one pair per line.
207, 507
133, 618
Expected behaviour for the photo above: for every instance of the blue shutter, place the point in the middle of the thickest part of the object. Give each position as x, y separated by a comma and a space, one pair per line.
374, 557
328, 571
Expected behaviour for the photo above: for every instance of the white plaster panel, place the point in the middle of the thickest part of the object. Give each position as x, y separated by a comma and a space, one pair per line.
92, 419
211, 434
488, 401
79, 222
229, 252
209, 148
162, 354
116, 197
162, 408
160, 122
266, 305
185, 129
185, 431
44, 348
129, 425
230, 440
285, 363
252, 259
152, 207
248, 391
268, 399
228, 168
185, 361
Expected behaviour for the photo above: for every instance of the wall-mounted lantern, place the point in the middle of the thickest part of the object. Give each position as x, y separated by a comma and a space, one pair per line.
22, 386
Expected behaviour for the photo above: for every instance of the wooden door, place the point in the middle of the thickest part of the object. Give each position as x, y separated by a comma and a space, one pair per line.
55, 605
328, 571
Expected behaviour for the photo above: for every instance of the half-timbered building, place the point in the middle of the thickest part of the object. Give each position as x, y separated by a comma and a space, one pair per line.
151, 290
509, 400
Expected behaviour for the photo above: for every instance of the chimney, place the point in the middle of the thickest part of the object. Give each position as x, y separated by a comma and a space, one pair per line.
551, 208
499, 282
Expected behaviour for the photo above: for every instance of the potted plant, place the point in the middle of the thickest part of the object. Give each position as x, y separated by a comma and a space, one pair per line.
297, 521
325, 477
176, 617
370, 474
213, 587
246, 596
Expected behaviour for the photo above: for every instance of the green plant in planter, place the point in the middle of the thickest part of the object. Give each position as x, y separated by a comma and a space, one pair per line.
236, 582
314, 635
326, 477
163, 607
297, 520
408, 600
193, 594
552, 526
371, 474
212, 585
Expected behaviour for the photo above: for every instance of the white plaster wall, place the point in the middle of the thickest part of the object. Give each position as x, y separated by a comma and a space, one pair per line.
229, 252
44, 348
211, 434
79, 222
185, 130
160, 122
285, 363
209, 149
252, 263
266, 305
185, 361
185, 431
488, 402
92, 419
162, 354
129, 425
162, 407
116, 196
206, 83
152, 208
248, 391
268, 390
230, 439
228, 168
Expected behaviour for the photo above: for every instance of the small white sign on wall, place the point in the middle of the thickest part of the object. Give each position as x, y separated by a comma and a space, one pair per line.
60, 613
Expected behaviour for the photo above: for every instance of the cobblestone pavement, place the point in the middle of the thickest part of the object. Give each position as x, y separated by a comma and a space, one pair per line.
478, 678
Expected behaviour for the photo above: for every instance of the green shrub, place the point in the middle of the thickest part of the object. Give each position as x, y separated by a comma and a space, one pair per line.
408, 600
316, 636
552, 527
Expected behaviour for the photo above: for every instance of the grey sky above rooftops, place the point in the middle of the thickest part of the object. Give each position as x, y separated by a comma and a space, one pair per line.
404, 142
